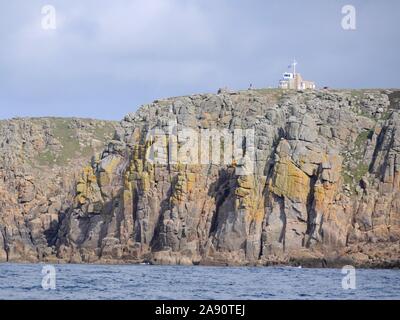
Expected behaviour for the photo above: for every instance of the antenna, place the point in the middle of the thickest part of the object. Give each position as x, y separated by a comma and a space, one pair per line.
294, 66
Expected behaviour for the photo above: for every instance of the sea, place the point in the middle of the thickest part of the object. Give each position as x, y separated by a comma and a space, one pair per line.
144, 282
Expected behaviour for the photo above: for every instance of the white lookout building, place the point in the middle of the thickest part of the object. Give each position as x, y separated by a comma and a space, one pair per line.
293, 80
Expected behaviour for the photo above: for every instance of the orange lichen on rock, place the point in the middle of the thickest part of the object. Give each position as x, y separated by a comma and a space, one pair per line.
289, 181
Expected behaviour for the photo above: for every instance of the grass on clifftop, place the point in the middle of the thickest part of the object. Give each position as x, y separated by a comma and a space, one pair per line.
71, 144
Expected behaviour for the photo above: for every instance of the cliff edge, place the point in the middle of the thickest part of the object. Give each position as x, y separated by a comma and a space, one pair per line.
313, 179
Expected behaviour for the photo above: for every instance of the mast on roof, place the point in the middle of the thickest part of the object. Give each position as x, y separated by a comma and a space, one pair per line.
294, 63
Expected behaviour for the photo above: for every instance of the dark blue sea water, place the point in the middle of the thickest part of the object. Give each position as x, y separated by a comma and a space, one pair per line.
24, 281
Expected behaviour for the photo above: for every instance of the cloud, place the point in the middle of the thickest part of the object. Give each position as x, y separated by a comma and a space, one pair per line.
107, 57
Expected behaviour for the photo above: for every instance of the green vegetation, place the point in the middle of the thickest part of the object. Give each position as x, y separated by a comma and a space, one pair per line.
362, 138
66, 132
360, 171
357, 94
275, 93
347, 178
386, 115
352, 179
46, 158
270, 90
351, 175
100, 132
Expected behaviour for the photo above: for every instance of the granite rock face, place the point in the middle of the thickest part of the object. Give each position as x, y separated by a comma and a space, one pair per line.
313, 179
39, 160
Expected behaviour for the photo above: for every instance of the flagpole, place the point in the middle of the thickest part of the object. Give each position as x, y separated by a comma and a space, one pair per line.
294, 67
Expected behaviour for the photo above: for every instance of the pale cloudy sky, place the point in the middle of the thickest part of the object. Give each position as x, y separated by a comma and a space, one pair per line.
106, 58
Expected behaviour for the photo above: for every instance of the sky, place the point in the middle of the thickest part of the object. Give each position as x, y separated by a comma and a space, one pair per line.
106, 58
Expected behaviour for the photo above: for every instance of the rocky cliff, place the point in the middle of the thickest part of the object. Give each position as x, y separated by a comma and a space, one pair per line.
322, 188
39, 162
